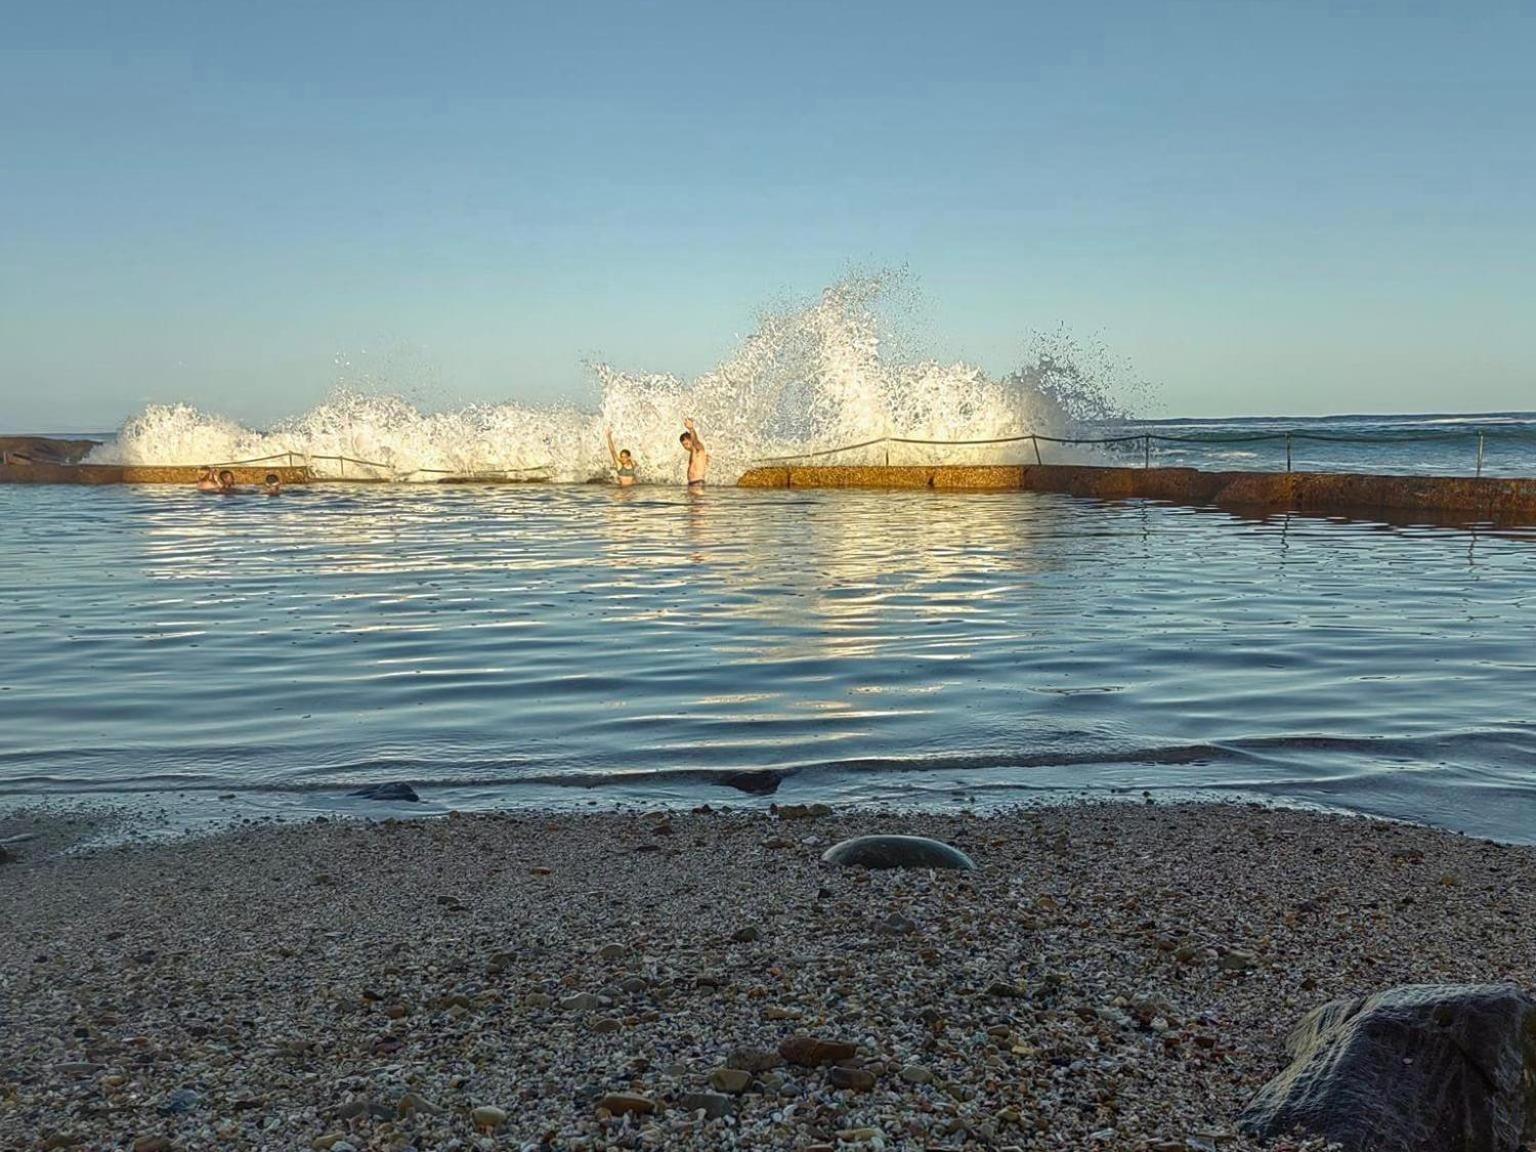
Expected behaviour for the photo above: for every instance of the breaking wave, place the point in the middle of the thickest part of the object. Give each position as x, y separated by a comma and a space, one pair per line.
807, 380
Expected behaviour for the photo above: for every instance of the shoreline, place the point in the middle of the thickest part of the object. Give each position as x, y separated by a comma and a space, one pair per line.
173, 816
1114, 975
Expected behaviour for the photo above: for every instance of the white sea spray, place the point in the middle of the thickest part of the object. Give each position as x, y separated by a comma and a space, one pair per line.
808, 380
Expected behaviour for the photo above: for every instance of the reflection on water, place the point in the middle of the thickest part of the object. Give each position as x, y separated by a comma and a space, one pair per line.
505, 643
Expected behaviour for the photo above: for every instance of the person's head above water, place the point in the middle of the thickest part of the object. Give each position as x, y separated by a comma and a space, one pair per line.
686, 439
226, 479
273, 483
626, 458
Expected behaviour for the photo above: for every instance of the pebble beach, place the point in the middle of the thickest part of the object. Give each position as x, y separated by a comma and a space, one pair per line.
1110, 976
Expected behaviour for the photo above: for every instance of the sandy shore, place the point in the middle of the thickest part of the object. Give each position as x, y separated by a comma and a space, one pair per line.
1112, 977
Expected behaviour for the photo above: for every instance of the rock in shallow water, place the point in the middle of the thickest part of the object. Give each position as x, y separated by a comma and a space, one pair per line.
1423, 1068
392, 791
897, 852
757, 782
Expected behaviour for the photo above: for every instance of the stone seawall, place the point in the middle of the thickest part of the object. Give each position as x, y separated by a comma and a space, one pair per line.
1460, 498
48, 460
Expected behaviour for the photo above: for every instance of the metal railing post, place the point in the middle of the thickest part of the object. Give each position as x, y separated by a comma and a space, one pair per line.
1479, 455
1035, 440
887, 455
1287, 451
1146, 444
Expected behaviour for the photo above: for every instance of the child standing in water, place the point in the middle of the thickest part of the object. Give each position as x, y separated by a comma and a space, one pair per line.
698, 458
623, 463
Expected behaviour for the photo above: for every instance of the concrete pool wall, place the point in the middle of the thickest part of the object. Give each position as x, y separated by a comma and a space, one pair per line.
1494, 500
1497, 500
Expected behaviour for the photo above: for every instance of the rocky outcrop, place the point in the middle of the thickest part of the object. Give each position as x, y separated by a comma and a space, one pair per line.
44, 449
1423, 1068
897, 852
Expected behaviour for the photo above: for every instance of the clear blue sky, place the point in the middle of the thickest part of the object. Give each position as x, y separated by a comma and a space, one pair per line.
1266, 207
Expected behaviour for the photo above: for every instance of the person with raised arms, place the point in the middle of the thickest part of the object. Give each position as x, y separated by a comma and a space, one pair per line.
698, 457
623, 463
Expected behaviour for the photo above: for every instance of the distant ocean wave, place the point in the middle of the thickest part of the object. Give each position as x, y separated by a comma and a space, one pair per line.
1495, 444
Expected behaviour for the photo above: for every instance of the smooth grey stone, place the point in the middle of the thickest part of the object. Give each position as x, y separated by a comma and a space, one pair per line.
1422, 1068
391, 791
897, 852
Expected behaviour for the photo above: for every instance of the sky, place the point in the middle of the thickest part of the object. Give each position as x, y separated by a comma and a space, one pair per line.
1264, 208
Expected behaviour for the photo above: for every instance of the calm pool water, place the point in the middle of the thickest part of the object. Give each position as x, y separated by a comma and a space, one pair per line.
546, 644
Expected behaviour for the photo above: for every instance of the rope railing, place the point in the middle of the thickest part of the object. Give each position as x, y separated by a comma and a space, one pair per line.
478, 471
288, 456
1290, 436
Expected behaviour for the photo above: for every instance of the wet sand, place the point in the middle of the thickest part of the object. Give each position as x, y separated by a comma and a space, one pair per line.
1113, 976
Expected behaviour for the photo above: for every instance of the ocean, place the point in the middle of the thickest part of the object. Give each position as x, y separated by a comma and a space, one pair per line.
1488, 444
578, 644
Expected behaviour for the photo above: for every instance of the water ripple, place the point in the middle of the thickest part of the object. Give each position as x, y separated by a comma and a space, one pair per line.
489, 642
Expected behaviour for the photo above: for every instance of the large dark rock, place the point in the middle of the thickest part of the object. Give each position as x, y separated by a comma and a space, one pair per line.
897, 852
755, 782
1423, 1068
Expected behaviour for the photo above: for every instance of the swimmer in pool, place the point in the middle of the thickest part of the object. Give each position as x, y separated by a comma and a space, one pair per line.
698, 458
206, 480
272, 485
227, 483
623, 463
